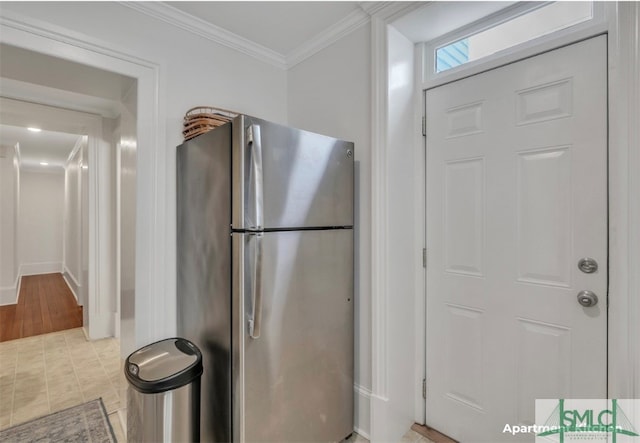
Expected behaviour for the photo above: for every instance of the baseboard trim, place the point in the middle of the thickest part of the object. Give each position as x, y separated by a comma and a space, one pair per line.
8, 295
73, 285
40, 268
390, 418
18, 287
362, 411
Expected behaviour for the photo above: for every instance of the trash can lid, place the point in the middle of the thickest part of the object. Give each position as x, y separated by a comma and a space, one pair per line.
163, 365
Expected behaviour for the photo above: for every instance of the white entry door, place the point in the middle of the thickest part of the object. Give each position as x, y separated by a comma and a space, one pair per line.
516, 197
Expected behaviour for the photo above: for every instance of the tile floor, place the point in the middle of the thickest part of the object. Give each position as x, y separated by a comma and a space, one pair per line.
51, 372
413, 437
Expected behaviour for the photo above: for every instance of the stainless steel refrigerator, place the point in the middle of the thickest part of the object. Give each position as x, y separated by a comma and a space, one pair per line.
265, 280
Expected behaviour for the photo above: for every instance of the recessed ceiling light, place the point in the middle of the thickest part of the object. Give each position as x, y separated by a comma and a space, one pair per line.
34, 129
44, 163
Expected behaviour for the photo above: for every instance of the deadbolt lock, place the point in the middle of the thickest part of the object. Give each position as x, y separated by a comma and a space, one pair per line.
588, 265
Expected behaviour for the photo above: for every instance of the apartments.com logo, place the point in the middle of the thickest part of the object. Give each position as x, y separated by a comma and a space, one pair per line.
594, 421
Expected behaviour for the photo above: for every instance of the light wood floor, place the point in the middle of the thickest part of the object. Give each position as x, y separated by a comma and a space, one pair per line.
45, 305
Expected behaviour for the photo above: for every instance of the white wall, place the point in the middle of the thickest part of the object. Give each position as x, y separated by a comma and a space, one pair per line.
329, 93
9, 265
41, 221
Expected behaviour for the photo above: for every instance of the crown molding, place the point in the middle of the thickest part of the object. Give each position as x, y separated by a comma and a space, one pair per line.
332, 34
353, 21
190, 23
390, 11
373, 8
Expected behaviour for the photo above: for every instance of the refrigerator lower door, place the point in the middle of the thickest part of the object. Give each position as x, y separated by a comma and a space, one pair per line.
292, 375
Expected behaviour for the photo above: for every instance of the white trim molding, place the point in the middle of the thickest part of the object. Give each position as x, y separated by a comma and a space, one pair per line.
72, 282
80, 48
390, 11
362, 415
382, 14
197, 26
388, 422
624, 200
379, 210
40, 268
8, 295
350, 23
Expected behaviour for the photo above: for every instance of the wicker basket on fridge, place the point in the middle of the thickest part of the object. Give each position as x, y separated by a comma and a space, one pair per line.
203, 119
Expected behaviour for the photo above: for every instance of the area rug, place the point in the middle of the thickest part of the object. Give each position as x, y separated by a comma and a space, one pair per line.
87, 422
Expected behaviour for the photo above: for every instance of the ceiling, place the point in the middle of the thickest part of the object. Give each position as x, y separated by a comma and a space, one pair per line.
279, 26
50, 146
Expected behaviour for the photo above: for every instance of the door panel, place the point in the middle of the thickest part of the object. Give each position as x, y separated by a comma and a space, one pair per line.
463, 217
289, 178
516, 196
298, 374
544, 216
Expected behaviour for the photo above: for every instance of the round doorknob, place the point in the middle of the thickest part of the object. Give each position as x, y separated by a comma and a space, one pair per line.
587, 299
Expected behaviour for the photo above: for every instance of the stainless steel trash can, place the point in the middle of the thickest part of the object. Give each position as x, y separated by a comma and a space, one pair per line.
163, 399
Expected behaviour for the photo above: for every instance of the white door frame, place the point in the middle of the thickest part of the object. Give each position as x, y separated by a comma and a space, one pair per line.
151, 292
622, 26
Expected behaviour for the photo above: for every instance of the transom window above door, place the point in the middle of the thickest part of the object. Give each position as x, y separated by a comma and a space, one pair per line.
509, 31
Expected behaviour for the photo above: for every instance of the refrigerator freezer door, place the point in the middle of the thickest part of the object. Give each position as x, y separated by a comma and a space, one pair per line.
289, 178
294, 382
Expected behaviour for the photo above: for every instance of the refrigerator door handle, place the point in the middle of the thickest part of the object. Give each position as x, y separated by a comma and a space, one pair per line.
255, 209
255, 273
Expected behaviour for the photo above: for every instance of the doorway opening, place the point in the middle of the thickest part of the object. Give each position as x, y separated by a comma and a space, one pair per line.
44, 230
100, 109
63, 96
